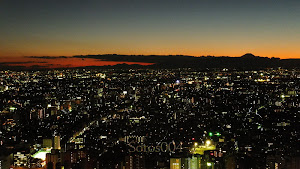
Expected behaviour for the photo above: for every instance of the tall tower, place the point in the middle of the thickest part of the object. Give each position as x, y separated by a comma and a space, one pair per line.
57, 142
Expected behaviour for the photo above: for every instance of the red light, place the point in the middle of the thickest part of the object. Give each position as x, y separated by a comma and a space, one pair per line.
193, 138
211, 154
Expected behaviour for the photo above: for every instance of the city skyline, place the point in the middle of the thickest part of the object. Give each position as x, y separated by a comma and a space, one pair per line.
145, 118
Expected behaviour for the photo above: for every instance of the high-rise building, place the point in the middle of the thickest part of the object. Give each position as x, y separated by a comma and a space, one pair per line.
175, 163
135, 161
57, 142
53, 160
47, 143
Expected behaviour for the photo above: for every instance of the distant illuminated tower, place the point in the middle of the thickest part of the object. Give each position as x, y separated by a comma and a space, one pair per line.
57, 142
175, 163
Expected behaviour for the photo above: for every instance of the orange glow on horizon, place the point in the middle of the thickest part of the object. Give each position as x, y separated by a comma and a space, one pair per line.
71, 62
238, 53
61, 62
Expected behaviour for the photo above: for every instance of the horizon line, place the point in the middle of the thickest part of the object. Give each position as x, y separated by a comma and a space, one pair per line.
70, 56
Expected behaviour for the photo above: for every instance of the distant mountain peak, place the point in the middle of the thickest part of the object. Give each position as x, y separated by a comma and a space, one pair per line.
249, 55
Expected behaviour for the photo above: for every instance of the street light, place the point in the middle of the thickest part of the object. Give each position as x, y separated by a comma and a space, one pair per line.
207, 142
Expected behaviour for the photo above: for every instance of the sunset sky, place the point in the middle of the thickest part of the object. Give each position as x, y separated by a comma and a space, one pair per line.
190, 27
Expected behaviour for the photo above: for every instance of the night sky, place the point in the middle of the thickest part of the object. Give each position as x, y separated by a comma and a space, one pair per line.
268, 28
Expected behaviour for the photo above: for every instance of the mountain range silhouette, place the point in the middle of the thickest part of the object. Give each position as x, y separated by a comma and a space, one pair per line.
246, 61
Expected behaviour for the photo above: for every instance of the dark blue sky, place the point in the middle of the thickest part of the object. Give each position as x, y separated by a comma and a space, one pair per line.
210, 27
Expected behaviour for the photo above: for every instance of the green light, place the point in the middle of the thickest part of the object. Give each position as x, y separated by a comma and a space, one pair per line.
210, 134
218, 134
41, 154
208, 164
12, 108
